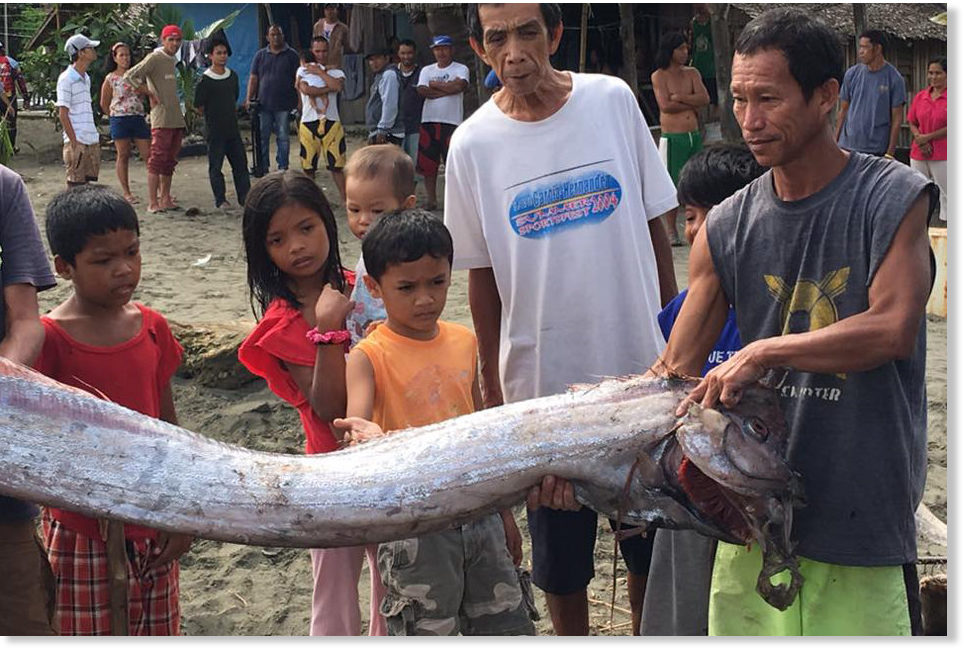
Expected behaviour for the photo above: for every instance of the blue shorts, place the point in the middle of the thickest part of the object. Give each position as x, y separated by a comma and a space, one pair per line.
126, 127
562, 549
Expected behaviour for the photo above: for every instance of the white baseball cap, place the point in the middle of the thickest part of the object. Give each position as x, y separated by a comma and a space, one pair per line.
78, 42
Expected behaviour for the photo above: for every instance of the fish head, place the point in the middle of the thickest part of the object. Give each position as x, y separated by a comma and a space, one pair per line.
734, 471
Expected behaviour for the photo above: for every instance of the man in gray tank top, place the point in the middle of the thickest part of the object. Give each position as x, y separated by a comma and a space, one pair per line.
826, 261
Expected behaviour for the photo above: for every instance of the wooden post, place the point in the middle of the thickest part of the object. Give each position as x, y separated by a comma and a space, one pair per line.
583, 34
723, 55
117, 577
627, 34
480, 80
860, 22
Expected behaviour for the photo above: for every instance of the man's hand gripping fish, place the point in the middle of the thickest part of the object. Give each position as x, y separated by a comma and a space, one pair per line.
721, 472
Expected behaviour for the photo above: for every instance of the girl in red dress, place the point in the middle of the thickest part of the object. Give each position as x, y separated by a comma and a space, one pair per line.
299, 290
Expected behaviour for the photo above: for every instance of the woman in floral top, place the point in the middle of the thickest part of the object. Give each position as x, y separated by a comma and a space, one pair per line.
125, 105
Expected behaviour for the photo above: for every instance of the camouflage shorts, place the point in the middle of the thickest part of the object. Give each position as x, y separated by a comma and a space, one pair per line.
459, 580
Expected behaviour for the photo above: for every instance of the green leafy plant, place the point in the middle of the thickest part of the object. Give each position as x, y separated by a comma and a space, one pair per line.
107, 23
6, 147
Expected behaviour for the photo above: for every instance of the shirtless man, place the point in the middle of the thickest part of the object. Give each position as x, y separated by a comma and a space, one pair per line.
680, 93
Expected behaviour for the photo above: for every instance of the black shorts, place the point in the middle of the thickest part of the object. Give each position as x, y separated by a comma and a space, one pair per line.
563, 544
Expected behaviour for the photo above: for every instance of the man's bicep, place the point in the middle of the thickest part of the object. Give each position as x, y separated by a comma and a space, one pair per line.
902, 281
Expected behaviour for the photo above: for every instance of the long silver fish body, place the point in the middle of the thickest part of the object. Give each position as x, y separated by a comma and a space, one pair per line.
615, 441
63, 447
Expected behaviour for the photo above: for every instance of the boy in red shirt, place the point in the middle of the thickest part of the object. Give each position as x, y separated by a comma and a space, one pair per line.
99, 341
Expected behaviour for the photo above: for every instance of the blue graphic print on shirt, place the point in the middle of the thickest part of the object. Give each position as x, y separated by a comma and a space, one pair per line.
585, 199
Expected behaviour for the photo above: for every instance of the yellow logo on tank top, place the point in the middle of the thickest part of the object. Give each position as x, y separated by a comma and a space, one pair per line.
808, 305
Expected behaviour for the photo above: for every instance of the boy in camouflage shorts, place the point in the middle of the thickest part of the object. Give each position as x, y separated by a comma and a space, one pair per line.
414, 370
456, 581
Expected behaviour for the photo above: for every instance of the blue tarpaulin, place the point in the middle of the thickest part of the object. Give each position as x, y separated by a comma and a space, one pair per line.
243, 34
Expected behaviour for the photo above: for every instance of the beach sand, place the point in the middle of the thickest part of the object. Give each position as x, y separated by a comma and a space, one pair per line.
194, 274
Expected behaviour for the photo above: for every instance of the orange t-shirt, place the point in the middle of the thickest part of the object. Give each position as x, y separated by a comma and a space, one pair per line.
421, 382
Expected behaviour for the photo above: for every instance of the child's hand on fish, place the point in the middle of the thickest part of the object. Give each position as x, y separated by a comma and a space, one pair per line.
331, 309
357, 430
554, 493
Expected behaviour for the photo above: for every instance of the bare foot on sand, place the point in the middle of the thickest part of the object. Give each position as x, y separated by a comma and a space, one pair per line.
154, 208
131, 199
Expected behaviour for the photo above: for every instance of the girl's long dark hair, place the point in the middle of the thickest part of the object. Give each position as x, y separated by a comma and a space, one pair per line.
265, 281
110, 65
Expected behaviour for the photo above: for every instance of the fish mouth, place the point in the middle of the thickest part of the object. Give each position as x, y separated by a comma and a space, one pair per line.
716, 503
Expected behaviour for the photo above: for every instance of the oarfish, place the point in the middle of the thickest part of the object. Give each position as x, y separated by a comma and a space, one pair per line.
720, 472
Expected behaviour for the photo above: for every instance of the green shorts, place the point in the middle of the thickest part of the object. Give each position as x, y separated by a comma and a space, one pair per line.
834, 599
676, 148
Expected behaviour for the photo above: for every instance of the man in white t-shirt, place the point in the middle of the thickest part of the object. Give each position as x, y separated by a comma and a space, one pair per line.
81, 139
442, 85
320, 133
555, 213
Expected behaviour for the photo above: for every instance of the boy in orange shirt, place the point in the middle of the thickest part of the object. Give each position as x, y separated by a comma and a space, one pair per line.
414, 370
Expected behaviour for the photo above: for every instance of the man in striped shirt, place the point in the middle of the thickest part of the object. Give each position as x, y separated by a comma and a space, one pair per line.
81, 140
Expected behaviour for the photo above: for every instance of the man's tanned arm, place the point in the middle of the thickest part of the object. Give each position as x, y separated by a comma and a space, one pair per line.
486, 307
886, 330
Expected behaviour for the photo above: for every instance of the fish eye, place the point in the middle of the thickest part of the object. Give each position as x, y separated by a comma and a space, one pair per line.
756, 428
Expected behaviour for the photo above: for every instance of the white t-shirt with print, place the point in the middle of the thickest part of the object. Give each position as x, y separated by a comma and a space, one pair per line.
446, 109
559, 209
309, 112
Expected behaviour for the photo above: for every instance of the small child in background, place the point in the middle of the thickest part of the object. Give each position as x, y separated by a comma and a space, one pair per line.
414, 370
317, 103
678, 588
378, 179
99, 341
216, 98
298, 347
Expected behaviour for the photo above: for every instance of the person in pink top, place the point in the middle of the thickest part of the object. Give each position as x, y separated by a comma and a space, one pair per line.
928, 124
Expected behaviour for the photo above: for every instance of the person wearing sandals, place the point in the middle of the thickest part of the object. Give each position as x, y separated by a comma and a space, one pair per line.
125, 105
157, 70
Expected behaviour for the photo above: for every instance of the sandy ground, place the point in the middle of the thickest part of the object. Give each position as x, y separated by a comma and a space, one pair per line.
194, 273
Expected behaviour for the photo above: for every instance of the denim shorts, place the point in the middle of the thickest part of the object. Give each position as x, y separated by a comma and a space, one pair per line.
125, 127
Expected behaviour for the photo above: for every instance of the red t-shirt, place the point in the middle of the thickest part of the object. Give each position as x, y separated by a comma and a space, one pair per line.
929, 115
280, 337
132, 374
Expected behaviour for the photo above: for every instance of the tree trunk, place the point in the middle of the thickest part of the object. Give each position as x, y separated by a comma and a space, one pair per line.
723, 50
583, 34
860, 22
627, 34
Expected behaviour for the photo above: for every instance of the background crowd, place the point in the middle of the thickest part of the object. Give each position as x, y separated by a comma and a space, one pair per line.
523, 272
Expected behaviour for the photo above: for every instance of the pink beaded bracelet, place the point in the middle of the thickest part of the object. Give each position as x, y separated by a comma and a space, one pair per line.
330, 337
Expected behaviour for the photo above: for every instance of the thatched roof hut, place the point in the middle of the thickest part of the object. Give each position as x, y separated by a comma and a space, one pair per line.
907, 21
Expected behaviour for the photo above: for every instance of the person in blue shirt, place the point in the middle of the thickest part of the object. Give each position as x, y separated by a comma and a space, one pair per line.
872, 99
678, 586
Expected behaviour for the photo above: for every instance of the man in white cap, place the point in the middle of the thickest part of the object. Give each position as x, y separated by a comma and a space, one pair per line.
442, 85
81, 140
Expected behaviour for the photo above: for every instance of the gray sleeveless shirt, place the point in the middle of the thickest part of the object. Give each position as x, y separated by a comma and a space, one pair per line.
859, 440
